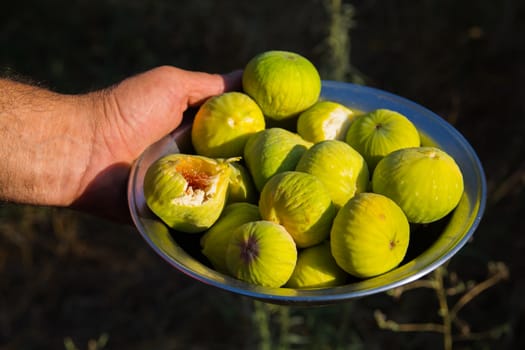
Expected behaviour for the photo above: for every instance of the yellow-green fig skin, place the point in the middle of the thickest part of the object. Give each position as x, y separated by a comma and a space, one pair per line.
223, 124
316, 268
341, 169
242, 188
261, 253
325, 120
187, 192
369, 236
300, 202
379, 132
272, 151
282, 83
425, 182
215, 240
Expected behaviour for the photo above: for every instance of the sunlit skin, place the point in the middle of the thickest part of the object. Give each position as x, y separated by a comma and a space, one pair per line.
76, 150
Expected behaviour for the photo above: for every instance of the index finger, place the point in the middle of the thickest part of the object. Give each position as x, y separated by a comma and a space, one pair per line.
200, 86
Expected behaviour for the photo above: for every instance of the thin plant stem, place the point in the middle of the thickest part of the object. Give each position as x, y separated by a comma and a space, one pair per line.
425, 283
383, 323
443, 309
498, 272
284, 323
477, 289
262, 324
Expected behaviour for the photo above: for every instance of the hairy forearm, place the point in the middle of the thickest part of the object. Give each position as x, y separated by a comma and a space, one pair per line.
77, 151
45, 144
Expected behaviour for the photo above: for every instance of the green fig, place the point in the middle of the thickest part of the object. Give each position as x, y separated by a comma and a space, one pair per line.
325, 120
224, 123
300, 202
316, 268
379, 132
261, 253
187, 192
242, 188
272, 151
282, 83
215, 240
425, 182
369, 236
341, 169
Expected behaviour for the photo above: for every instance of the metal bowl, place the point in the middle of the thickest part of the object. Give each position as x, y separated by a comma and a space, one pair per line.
426, 251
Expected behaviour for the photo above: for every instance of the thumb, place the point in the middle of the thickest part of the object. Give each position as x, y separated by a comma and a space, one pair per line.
152, 103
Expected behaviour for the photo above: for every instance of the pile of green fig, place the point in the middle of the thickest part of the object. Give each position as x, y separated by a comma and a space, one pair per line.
286, 189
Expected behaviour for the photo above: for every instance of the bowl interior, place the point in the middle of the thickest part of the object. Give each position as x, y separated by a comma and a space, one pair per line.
426, 252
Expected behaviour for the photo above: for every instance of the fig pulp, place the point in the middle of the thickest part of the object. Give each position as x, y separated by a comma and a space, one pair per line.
187, 192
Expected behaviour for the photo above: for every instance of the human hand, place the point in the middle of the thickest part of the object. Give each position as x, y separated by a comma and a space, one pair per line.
133, 115
77, 150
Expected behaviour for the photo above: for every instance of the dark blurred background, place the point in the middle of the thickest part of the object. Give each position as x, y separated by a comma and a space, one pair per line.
71, 281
